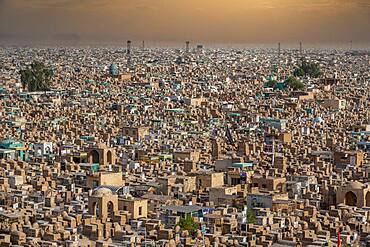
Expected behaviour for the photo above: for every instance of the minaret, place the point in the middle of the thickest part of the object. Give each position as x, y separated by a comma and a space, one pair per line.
278, 60
301, 51
128, 51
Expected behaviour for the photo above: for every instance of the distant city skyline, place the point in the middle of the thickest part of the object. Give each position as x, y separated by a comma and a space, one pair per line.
161, 22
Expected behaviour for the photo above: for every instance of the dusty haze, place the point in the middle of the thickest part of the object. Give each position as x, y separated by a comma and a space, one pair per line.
173, 21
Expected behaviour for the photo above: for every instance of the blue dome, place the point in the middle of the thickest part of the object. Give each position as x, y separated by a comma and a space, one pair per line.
113, 70
318, 120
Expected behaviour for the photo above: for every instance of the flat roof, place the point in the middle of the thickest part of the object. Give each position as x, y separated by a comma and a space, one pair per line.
183, 209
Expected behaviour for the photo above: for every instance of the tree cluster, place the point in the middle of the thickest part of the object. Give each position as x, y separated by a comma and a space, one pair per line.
307, 69
251, 217
294, 83
189, 224
37, 77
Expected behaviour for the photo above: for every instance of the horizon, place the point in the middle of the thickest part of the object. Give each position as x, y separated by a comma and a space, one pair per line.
169, 22
137, 45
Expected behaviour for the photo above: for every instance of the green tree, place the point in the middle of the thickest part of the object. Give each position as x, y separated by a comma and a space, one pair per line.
299, 72
308, 69
294, 83
36, 77
189, 224
251, 217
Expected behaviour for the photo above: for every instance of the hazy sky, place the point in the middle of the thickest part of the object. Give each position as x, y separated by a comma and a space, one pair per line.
208, 21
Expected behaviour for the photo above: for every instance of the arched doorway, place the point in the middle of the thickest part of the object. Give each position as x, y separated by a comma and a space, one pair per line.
96, 209
280, 187
109, 157
110, 210
95, 156
368, 199
350, 199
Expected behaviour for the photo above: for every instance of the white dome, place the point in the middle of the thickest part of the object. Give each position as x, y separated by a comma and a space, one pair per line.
355, 185
102, 192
